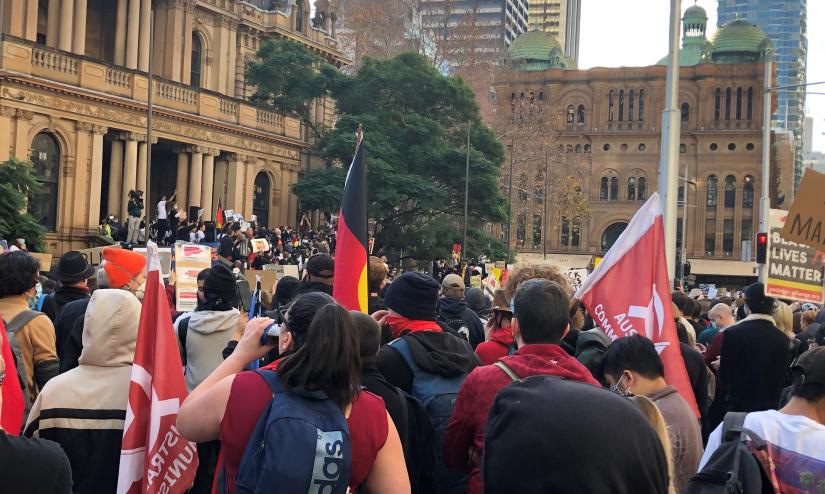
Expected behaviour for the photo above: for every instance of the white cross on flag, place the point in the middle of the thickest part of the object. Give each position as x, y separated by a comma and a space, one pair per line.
628, 293
154, 457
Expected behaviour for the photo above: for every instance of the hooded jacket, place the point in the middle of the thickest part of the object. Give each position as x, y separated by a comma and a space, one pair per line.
465, 432
501, 340
84, 409
455, 314
208, 332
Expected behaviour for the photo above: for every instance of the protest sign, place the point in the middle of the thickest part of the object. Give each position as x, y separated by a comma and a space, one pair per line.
268, 278
253, 219
229, 214
260, 245
475, 281
292, 270
190, 259
45, 261
804, 225
793, 271
165, 254
200, 213
93, 255
575, 277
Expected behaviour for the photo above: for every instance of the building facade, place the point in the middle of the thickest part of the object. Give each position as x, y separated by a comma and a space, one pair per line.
786, 24
74, 95
609, 120
562, 19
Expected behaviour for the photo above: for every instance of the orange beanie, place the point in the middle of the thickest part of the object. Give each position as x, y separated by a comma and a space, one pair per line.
122, 265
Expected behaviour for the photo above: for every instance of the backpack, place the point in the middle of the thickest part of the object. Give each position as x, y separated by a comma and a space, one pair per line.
438, 395
300, 444
12, 327
732, 469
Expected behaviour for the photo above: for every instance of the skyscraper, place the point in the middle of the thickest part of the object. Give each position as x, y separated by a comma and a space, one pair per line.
562, 19
785, 23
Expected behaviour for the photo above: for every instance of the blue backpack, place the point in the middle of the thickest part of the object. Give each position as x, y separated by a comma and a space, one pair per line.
437, 394
300, 444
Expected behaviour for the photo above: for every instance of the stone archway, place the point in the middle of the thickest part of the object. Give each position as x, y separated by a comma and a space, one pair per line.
611, 234
260, 198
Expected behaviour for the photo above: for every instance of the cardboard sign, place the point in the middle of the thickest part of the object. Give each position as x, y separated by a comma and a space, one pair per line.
475, 281
804, 224
259, 245
228, 214
190, 259
268, 279
44, 259
575, 277
94, 255
794, 271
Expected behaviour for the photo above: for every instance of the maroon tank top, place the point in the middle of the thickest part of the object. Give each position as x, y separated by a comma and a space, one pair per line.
250, 395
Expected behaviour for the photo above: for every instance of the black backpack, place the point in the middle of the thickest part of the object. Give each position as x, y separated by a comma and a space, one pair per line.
733, 469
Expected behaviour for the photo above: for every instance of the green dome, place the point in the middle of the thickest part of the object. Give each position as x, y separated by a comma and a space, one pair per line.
739, 41
537, 50
695, 12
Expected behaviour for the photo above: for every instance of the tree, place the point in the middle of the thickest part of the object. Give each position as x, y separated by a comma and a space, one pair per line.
17, 184
415, 126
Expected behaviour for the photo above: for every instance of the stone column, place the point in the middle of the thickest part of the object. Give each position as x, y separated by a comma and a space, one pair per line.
172, 56
31, 20
77, 188
233, 50
53, 23
234, 182
188, 24
182, 179
208, 183
284, 194
144, 33
221, 55
79, 42
120, 33
142, 163
132, 33
6, 114
66, 25
129, 171
195, 176
115, 177
21, 141
95, 176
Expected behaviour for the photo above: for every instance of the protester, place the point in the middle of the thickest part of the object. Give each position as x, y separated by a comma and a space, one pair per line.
163, 213
135, 209
754, 356
454, 313
809, 326
325, 356
632, 366
476, 301
320, 270
657, 421
499, 335
377, 279
794, 434
31, 333
540, 320
83, 409
70, 341
31, 465
594, 442
683, 305
73, 273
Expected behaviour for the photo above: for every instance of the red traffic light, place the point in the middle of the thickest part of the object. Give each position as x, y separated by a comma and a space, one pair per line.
762, 238
761, 247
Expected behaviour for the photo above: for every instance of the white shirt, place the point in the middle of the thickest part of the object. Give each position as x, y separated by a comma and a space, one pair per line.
162, 210
795, 444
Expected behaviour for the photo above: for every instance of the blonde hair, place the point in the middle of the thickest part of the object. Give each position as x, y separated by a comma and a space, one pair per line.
783, 316
657, 421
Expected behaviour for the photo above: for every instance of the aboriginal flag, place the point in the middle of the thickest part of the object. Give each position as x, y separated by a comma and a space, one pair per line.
350, 288
219, 215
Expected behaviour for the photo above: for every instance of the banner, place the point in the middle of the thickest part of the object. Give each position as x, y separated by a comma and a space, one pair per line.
190, 259
794, 271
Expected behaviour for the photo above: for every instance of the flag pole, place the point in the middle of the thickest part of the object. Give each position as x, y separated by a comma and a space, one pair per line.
466, 189
149, 105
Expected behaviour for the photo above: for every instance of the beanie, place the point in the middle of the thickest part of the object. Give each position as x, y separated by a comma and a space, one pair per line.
122, 265
219, 281
756, 300
414, 296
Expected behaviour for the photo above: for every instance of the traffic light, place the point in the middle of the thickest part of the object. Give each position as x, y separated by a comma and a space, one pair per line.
761, 247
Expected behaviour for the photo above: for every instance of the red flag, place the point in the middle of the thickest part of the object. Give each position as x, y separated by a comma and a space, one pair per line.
628, 293
350, 287
154, 457
13, 407
219, 215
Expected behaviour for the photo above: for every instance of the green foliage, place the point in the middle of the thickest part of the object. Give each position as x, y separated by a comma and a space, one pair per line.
415, 137
17, 183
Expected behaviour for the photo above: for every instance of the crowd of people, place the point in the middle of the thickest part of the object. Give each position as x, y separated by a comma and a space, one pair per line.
439, 389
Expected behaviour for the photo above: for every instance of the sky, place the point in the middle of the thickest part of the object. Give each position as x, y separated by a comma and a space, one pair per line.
635, 33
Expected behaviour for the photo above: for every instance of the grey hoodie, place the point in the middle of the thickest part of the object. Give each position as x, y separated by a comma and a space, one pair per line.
207, 335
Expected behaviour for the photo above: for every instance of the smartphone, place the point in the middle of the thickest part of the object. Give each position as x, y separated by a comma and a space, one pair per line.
244, 295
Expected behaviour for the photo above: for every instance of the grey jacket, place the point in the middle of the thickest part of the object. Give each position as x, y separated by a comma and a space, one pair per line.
207, 334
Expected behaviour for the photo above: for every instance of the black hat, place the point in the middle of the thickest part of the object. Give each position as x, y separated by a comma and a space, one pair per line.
321, 266
548, 434
72, 268
219, 280
811, 367
756, 300
414, 296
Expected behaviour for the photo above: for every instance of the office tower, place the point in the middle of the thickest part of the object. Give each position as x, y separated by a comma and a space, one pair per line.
562, 19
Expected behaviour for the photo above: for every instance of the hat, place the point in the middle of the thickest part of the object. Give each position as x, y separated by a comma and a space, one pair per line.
811, 366
475, 299
452, 281
321, 266
220, 281
122, 265
72, 268
414, 296
809, 306
500, 302
756, 300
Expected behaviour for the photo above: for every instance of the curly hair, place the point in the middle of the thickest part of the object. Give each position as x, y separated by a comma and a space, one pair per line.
531, 271
18, 273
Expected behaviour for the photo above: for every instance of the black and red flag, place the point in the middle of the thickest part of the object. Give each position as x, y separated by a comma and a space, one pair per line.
350, 288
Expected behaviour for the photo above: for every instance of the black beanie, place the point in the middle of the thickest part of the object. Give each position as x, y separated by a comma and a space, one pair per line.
414, 296
756, 300
219, 281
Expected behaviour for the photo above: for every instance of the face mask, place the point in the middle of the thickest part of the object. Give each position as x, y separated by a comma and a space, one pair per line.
38, 291
140, 290
618, 390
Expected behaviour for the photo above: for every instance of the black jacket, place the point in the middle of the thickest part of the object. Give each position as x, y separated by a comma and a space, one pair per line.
455, 314
753, 364
62, 296
311, 286
68, 329
698, 374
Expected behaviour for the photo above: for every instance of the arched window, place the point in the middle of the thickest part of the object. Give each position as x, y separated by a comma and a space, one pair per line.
260, 198
299, 16
739, 103
631, 189
197, 59
631, 96
569, 148
611, 234
580, 114
713, 191
730, 191
521, 229
641, 192
614, 189
681, 194
587, 149
539, 188
610, 106
536, 231
522, 187
603, 189
685, 112
621, 105
717, 104
578, 149
46, 159
750, 103
565, 231
727, 103
574, 237
747, 193
571, 114
641, 105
